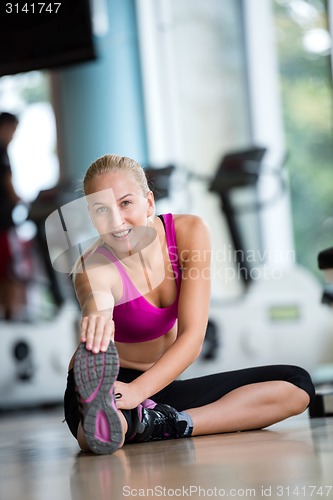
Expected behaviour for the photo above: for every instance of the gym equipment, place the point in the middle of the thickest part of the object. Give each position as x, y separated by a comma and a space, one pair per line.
35, 354
278, 317
237, 170
34, 359
323, 404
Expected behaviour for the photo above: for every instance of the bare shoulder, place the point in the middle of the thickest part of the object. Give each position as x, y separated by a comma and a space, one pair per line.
97, 269
191, 231
189, 224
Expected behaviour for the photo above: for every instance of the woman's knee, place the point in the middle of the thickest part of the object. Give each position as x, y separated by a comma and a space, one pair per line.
304, 382
301, 380
294, 399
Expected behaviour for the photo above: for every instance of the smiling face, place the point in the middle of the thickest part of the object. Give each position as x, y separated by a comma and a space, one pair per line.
119, 210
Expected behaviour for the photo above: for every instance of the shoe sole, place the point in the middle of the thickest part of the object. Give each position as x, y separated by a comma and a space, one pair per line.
95, 375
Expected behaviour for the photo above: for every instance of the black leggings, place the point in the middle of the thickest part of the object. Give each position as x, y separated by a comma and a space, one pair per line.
195, 392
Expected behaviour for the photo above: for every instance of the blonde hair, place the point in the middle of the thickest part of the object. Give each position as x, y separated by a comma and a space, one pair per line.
115, 163
103, 165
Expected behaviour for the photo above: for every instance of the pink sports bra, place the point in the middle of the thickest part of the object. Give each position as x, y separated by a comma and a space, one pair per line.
137, 320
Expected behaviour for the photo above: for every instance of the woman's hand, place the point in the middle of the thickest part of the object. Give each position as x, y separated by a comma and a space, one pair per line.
97, 331
127, 396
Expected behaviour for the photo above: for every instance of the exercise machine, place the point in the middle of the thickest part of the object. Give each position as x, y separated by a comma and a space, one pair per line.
323, 404
278, 317
34, 354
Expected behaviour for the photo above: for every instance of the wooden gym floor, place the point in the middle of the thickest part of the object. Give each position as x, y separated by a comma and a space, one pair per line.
39, 460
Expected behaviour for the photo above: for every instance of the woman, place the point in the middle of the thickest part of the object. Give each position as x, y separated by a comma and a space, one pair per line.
144, 292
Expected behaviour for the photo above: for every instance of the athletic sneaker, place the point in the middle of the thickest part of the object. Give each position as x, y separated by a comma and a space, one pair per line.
160, 423
95, 375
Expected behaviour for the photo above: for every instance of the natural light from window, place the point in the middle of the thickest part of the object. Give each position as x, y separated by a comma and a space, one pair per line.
32, 152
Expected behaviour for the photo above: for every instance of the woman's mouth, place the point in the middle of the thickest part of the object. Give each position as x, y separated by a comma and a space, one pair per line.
121, 234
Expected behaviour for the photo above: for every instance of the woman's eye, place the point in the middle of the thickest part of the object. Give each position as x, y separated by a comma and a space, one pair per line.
100, 210
125, 203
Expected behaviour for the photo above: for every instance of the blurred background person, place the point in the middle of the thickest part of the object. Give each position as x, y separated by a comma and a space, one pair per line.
12, 280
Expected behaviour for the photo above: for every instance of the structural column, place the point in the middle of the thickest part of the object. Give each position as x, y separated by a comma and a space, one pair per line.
99, 104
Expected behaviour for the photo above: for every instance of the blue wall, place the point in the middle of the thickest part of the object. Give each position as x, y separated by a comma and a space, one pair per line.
100, 104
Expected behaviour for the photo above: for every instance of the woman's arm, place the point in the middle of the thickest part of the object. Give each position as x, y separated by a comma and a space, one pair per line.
94, 293
193, 241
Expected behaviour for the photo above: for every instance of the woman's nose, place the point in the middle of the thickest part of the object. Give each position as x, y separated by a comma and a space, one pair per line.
116, 220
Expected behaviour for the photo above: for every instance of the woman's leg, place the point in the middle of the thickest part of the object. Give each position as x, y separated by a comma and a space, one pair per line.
245, 399
253, 406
